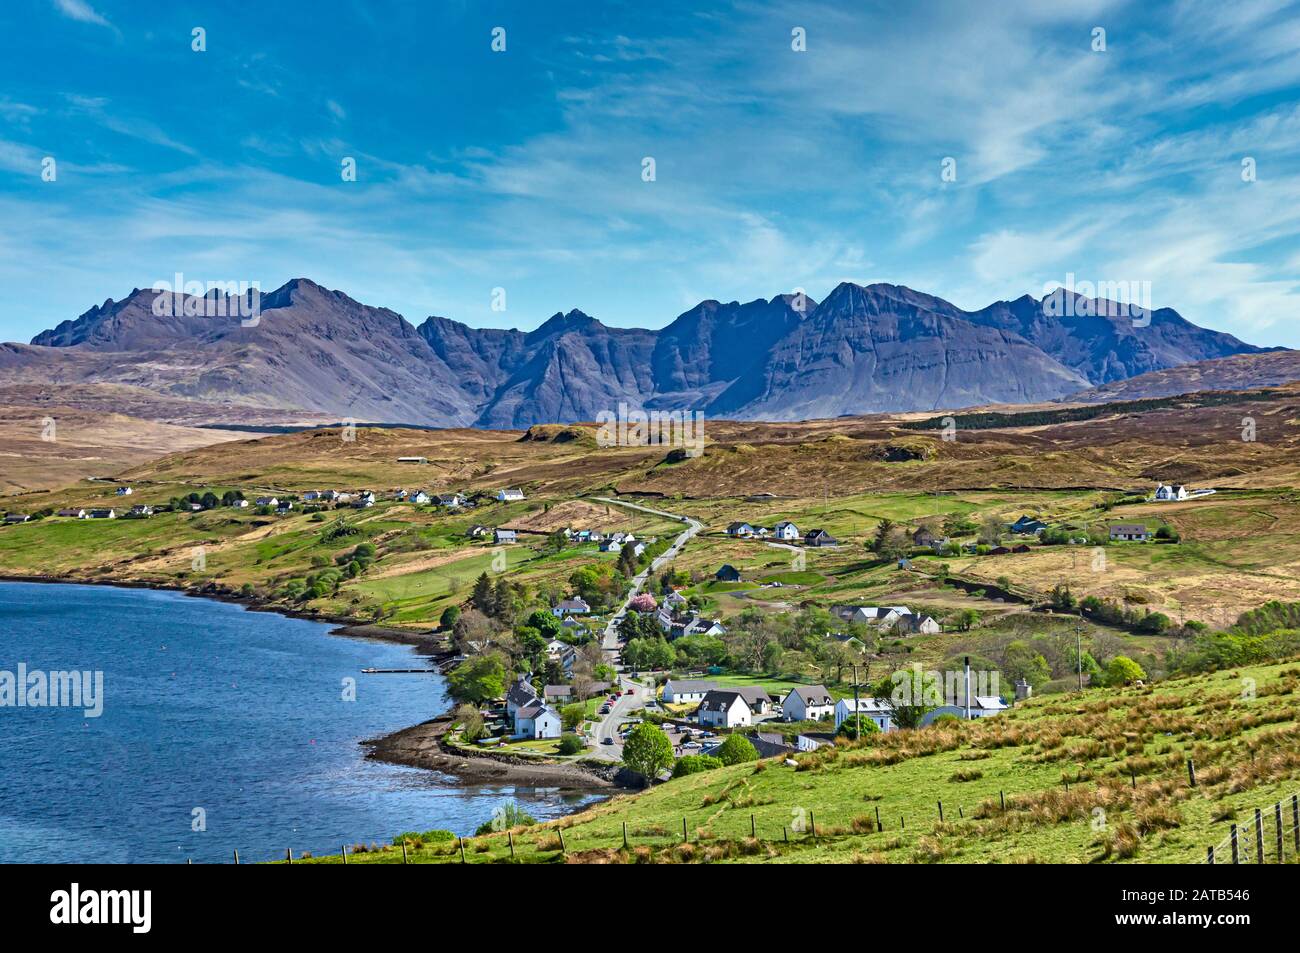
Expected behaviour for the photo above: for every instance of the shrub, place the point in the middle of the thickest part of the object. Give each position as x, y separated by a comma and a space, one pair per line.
570, 744
694, 764
858, 725
507, 815
736, 749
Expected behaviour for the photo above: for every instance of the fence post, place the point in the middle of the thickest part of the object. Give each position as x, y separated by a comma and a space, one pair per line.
1191, 773
404, 850
940, 811
1278, 817
1209, 854
1259, 835
902, 822
236, 858
812, 822
1235, 856
1002, 795
685, 839
1295, 819
785, 834
563, 850
460, 842
288, 853
753, 830
879, 826
343, 852
510, 838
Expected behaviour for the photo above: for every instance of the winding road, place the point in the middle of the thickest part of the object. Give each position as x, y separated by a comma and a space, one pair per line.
619, 712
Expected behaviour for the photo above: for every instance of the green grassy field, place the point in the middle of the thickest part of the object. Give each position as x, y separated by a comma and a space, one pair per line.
1100, 777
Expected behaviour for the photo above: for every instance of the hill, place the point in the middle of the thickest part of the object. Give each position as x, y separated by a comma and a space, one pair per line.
1080, 778
1237, 372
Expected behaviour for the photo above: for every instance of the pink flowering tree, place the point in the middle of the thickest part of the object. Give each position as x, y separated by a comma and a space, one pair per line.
644, 602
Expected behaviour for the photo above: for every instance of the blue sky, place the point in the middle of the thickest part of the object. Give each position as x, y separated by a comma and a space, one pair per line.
775, 169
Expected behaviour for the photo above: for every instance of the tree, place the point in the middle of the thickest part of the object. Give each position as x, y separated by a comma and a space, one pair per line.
890, 541
545, 623
648, 751
643, 602
571, 716
856, 726
449, 617
481, 598
479, 678
471, 722
570, 744
909, 696
772, 653
1122, 670
736, 749
966, 619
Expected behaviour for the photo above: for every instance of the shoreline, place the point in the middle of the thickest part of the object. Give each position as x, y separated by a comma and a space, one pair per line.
416, 746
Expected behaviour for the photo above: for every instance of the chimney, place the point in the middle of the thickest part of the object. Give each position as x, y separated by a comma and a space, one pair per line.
1023, 689
968, 688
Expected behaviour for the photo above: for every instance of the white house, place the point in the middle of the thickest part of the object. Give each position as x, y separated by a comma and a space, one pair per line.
912, 624
451, 500
521, 694
267, 501
1131, 532
510, 495
412, 460
872, 708
682, 691
610, 546
1170, 491
503, 536
723, 709
420, 497
240, 504
17, 518
740, 529
538, 720
311, 496
124, 491
76, 513
786, 530
575, 606
807, 703
141, 510
981, 706
109, 514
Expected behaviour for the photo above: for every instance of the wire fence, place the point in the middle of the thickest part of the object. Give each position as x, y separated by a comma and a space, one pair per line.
1265, 838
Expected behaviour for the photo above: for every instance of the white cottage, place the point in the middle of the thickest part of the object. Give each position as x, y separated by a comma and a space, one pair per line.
807, 703
724, 709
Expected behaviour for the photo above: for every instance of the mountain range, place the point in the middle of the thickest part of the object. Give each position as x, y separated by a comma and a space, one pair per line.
863, 349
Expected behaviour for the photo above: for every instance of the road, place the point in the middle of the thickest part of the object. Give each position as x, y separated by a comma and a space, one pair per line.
622, 710
610, 641
609, 725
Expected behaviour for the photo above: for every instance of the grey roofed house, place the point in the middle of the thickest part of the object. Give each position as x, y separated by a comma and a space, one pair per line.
819, 537
1128, 531
769, 744
687, 686
504, 536
521, 694
758, 700
813, 694
721, 699
17, 518
555, 692
728, 573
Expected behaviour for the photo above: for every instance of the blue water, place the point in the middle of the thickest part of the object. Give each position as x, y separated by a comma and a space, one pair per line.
206, 705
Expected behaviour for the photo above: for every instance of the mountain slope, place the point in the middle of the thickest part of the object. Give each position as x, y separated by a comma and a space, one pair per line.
864, 349
1237, 372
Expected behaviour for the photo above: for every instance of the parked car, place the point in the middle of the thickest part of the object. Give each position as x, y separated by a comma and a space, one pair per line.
607, 741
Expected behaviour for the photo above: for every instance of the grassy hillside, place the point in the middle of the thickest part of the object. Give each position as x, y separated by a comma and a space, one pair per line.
1100, 777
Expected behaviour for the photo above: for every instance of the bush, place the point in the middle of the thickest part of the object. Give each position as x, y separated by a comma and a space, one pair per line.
856, 725
694, 764
570, 744
507, 815
737, 749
